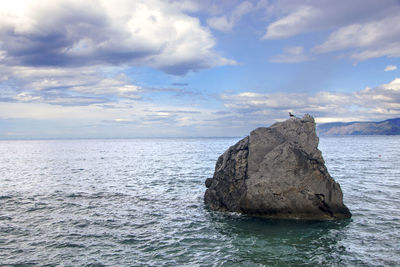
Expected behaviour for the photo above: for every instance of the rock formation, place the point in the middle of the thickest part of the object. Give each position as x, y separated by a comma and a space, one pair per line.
277, 172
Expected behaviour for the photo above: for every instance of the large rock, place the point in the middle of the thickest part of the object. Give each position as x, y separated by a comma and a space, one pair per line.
277, 172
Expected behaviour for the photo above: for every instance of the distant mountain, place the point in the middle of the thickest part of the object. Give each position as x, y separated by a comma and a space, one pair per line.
387, 127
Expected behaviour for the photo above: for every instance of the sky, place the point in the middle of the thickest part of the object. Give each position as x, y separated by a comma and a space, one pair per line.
193, 68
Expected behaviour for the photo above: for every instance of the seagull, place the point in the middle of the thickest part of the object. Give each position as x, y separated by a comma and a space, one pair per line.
291, 115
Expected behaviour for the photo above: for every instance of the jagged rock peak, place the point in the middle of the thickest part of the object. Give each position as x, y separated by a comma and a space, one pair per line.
277, 172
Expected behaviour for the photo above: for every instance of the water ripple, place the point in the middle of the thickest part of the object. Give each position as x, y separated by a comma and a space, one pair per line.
140, 203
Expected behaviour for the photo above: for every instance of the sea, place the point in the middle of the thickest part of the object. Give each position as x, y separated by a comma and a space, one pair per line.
139, 202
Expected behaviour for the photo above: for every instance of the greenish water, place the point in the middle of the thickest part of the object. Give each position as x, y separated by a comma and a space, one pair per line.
139, 202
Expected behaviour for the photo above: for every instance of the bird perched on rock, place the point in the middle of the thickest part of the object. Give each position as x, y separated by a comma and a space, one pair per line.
291, 115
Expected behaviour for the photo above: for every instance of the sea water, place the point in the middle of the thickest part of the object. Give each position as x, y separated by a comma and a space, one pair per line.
139, 202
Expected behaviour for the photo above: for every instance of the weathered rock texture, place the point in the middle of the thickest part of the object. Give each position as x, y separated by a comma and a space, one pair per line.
277, 172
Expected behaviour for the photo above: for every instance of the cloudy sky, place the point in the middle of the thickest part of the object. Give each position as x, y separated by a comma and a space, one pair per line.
163, 68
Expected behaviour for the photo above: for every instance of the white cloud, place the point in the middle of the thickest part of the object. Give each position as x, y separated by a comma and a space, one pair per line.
363, 29
77, 86
26, 97
124, 119
390, 68
226, 23
66, 86
297, 17
74, 33
375, 39
293, 54
389, 50
376, 103
295, 23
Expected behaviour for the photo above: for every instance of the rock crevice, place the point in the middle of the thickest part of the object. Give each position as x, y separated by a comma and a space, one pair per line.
276, 172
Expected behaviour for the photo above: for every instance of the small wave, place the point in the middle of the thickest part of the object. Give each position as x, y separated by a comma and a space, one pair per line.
76, 195
69, 245
130, 241
77, 170
36, 209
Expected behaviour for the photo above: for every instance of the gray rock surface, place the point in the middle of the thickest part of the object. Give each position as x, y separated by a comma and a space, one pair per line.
277, 172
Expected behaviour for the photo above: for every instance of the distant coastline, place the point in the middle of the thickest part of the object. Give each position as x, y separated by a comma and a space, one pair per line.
386, 127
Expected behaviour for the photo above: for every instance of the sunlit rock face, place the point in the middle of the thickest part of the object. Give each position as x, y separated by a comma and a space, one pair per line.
277, 172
